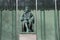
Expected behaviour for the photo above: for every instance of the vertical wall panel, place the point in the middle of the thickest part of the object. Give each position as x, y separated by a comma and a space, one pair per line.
49, 22
6, 25
0, 24
43, 25
38, 25
59, 24
14, 25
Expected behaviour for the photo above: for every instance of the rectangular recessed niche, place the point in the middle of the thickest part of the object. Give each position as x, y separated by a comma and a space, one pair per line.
27, 37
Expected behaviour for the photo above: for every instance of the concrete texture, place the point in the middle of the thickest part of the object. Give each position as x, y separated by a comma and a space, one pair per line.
27, 36
44, 32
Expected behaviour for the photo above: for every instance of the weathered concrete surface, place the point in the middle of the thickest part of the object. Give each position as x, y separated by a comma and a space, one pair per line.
27, 36
8, 24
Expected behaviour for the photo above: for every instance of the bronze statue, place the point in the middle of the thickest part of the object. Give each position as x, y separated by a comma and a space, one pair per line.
27, 20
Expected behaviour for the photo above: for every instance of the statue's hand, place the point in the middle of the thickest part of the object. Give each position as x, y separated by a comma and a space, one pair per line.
30, 21
25, 21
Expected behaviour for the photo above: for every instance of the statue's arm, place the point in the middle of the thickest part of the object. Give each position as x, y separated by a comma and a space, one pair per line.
31, 18
22, 18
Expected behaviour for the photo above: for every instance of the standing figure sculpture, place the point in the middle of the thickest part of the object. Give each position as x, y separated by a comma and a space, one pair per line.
27, 21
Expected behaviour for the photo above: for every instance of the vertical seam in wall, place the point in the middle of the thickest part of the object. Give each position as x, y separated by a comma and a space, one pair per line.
41, 24
44, 26
12, 25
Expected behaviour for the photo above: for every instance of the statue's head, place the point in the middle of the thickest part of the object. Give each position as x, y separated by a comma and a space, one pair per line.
27, 9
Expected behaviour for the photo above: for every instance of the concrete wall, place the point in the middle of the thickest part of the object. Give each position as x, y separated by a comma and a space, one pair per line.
44, 24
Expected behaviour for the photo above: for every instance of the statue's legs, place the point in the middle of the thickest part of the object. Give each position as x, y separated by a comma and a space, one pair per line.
27, 27
31, 27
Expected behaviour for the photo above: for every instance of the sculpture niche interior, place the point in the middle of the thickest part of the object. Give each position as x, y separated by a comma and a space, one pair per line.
27, 21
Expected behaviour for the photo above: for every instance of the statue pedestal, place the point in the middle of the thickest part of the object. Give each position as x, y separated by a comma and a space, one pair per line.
27, 37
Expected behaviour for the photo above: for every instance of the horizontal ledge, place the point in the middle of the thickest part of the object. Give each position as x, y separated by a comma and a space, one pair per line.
28, 33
